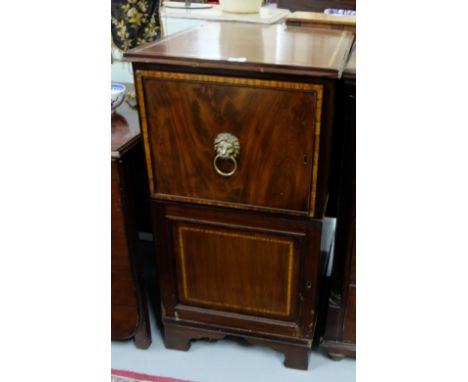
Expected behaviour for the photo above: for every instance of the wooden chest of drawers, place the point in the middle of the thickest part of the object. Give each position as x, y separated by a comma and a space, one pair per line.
236, 125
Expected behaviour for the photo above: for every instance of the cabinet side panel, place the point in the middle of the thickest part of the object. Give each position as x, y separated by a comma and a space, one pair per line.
349, 327
124, 309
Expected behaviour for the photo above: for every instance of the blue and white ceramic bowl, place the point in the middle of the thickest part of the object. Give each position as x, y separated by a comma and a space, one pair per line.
117, 94
339, 12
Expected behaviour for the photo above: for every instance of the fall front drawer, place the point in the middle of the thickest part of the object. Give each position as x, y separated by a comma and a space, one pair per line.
232, 141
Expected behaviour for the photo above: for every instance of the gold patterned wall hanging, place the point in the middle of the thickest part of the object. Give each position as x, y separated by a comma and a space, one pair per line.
134, 22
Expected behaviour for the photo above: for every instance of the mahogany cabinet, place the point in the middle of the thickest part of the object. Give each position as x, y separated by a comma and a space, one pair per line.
316, 5
129, 313
236, 121
340, 333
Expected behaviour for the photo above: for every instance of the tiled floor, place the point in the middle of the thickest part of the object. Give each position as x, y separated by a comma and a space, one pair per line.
228, 360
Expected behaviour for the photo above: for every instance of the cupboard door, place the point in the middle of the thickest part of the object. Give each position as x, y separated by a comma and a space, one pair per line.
256, 270
236, 270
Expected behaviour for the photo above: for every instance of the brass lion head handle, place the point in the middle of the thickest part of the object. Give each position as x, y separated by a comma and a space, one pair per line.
226, 147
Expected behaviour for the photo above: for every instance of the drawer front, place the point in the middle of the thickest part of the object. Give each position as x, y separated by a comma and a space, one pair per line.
276, 130
255, 272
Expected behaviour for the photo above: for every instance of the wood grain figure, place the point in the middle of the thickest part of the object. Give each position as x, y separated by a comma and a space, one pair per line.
237, 124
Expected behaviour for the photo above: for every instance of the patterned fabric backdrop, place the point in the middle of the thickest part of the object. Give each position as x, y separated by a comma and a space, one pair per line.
134, 22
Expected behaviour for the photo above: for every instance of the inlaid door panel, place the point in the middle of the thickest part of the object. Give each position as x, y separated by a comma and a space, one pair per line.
236, 270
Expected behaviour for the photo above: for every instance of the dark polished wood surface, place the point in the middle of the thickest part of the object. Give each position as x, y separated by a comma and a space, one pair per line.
238, 271
264, 284
216, 229
240, 255
129, 316
322, 21
349, 326
252, 47
276, 164
124, 304
340, 334
179, 334
316, 5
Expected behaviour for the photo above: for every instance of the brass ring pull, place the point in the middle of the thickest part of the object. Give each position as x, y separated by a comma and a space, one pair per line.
220, 172
227, 147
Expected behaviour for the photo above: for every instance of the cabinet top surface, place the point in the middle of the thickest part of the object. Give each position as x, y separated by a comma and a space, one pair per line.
125, 129
251, 47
